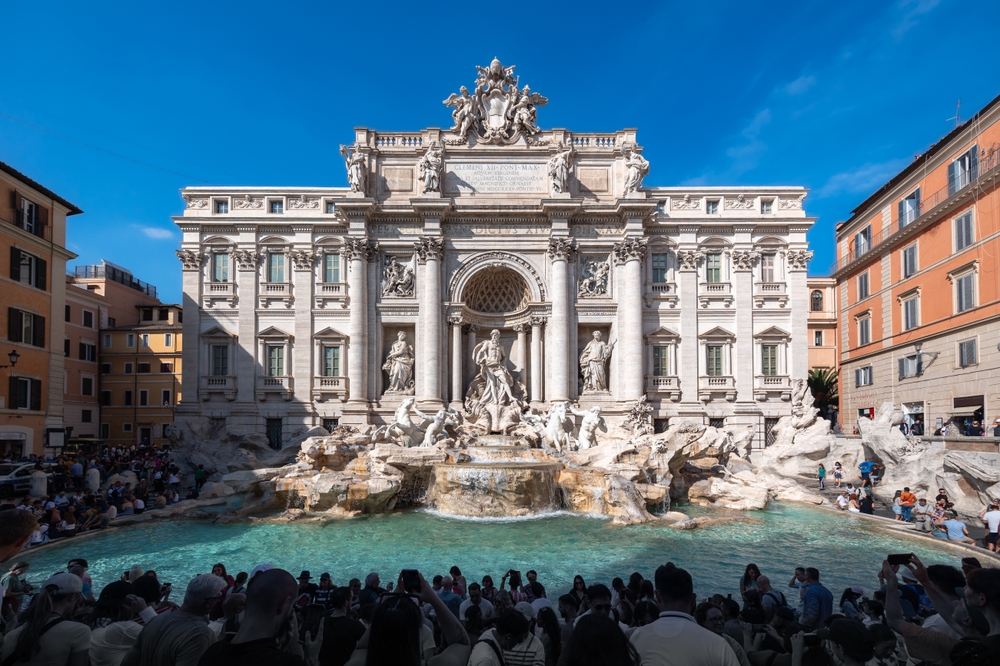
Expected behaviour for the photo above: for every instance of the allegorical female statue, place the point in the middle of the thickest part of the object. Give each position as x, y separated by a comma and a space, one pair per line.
399, 365
593, 361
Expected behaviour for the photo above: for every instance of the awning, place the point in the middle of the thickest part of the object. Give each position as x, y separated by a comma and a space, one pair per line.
965, 411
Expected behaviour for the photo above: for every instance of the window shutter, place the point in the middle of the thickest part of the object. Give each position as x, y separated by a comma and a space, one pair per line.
38, 326
83, 352
40, 271
15, 264
13, 325
952, 178
42, 221
920, 364
12, 398
857, 377
916, 202
967, 292
902, 368
973, 162
36, 395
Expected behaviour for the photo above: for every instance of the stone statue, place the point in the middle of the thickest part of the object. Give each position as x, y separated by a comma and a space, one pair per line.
639, 417
397, 279
595, 278
491, 359
399, 365
355, 167
558, 169
523, 113
430, 166
435, 430
558, 426
465, 111
638, 167
592, 421
801, 394
403, 431
593, 363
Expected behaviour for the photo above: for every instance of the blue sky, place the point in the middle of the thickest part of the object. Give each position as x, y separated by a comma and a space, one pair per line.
115, 106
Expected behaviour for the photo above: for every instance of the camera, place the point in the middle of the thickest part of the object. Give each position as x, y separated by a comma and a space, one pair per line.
411, 580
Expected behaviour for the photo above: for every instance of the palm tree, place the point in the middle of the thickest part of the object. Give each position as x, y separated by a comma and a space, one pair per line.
823, 382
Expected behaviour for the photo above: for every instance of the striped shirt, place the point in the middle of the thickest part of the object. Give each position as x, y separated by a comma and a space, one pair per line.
531, 652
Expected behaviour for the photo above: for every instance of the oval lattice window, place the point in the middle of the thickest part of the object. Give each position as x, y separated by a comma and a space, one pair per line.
496, 290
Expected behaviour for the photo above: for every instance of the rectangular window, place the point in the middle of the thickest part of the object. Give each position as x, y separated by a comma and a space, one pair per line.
964, 170
86, 416
166, 367
863, 292
28, 269
765, 206
862, 241
145, 339
330, 208
88, 352
967, 353
28, 215
767, 268
713, 267
712, 206
165, 396
168, 340
105, 431
105, 398
126, 427
86, 386
963, 232
88, 319
111, 322
143, 368
130, 340
660, 268
220, 360
911, 366
164, 314
909, 208
769, 360
661, 361
26, 328
330, 424
107, 340
69, 313
105, 368
864, 331
220, 267
275, 267
277, 207
331, 267
128, 367
221, 207
275, 361
331, 361
713, 360
910, 315
128, 397
965, 285
863, 376
909, 261
817, 338
66, 348
143, 397
147, 314
274, 435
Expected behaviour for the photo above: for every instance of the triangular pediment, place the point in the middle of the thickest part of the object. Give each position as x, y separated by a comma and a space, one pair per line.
773, 332
273, 332
217, 332
328, 333
662, 333
717, 332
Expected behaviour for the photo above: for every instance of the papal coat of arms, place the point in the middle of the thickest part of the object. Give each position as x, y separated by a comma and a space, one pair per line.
498, 111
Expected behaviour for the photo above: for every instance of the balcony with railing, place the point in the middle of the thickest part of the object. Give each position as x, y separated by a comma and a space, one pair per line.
663, 387
218, 384
661, 291
709, 292
280, 292
327, 388
219, 291
772, 386
711, 387
331, 294
770, 292
988, 167
33, 227
115, 274
276, 386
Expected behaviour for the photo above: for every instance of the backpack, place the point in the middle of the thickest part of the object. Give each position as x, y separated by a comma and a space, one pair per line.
780, 599
493, 646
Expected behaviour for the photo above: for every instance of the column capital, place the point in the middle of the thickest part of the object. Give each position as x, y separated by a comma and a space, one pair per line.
247, 260
689, 259
538, 321
560, 249
191, 260
455, 320
360, 248
521, 328
743, 260
428, 248
798, 260
630, 249
473, 328
303, 260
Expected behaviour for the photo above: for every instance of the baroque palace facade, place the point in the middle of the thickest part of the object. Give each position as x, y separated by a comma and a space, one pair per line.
493, 263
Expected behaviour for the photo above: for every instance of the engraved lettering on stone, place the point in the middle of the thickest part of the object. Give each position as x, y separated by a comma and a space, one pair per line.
495, 178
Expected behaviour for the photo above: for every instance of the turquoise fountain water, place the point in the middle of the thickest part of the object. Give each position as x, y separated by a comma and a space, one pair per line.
846, 551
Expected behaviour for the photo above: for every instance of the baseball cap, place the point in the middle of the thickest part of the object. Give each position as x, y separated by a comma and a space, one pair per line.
324, 576
259, 569
115, 593
525, 609
64, 583
857, 590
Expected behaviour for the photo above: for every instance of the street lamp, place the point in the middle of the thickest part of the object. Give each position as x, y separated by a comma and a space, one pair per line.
917, 346
13, 356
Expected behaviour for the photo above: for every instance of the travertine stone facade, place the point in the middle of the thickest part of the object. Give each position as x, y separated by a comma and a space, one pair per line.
295, 298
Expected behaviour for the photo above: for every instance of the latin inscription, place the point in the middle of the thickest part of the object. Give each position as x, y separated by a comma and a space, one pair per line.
477, 178
498, 230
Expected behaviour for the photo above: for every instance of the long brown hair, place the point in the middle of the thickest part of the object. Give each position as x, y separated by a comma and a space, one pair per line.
34, 620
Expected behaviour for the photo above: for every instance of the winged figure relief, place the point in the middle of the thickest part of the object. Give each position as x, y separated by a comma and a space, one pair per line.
465, 111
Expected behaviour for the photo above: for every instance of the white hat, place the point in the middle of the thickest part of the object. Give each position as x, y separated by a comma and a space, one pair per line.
525, 609
258, 569
65, 583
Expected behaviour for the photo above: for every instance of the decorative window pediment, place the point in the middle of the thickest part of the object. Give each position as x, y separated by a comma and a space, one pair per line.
718, 334
218, 332
330, 336
663, 334
272, 333
773, 334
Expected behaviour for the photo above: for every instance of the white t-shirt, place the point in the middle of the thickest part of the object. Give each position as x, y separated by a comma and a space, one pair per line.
992, 519
58, 643
676, 639
842, 501
541, 603
139, 504
485, 606
108, 645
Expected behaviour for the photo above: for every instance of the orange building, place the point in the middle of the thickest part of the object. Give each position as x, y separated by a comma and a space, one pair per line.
85, 312
33, 260
919, 286
822, 323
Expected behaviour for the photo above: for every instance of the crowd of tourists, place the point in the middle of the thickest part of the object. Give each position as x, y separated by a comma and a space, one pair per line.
904, 613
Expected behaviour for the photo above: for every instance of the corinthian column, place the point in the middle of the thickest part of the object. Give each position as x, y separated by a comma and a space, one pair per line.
456, 361
560, 251
359, 251
631, 252
536, 360
428, 362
